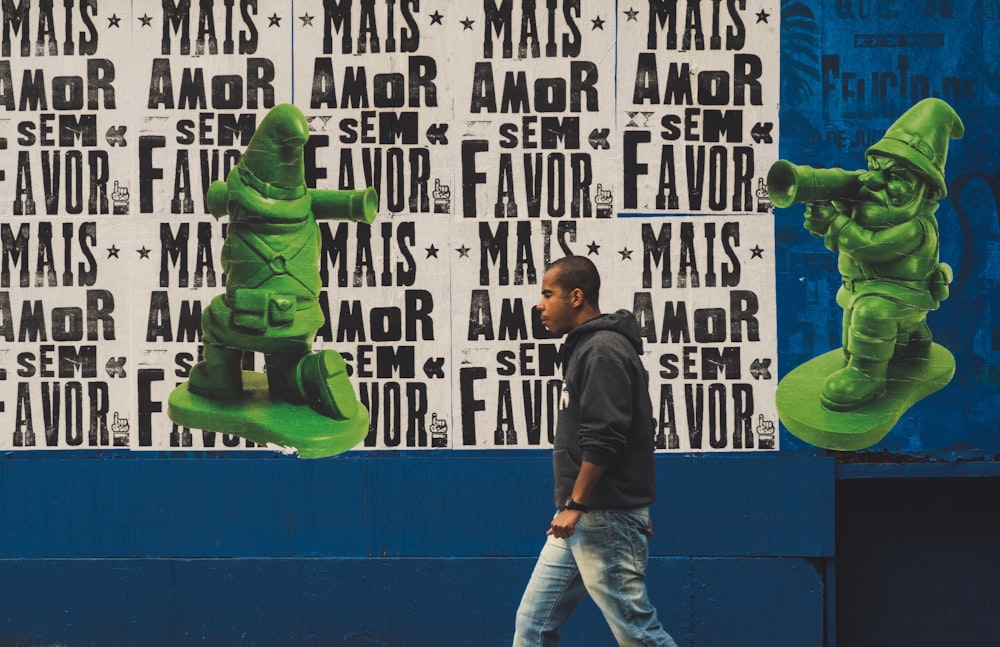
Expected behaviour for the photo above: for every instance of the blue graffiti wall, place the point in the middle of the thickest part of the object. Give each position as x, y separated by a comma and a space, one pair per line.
849, 70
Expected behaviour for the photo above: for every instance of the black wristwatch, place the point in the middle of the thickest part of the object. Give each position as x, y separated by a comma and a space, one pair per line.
573, 505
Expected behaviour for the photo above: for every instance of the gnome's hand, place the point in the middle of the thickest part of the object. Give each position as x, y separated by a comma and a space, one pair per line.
819, 215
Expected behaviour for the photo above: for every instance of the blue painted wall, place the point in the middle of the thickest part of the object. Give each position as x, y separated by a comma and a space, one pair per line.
381, 549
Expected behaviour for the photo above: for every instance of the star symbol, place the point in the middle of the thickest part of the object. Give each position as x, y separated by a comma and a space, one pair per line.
632, 13
321, 119
598, 24
763, 16
275, 21
147, 21
757, 252
436, 18
463, 251
626, 254
432, 251
113, 252
144, 253
114, 21
592, 248
307, 20
467, 24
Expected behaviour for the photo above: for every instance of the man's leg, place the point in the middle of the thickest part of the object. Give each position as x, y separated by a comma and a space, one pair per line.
554, 590
611, 551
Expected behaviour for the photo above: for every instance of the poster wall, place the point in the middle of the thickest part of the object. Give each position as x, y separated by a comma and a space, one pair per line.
500, 135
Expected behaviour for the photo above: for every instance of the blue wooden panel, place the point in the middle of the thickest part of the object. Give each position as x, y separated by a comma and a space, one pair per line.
409, 504
745, 505
500, 503
742, 602
738, 602
380, 602
461, 504
175, 507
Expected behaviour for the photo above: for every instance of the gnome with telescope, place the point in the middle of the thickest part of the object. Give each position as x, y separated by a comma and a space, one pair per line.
881, 224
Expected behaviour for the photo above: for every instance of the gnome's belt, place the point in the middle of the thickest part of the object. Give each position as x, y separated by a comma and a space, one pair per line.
268, 190
259, 299
239, 213
853, 285
259, 310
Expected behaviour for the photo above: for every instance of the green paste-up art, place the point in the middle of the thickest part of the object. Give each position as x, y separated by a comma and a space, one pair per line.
271, 305
881, 224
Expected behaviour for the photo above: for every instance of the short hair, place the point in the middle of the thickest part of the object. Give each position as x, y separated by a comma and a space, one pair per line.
574, 272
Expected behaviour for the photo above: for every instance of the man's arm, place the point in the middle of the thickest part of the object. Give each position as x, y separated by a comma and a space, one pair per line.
564, 523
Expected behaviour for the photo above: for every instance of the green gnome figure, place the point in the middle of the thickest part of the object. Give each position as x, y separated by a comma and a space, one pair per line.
271, 305
881, 224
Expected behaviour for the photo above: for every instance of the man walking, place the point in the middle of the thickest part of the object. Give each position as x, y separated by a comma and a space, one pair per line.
604, 470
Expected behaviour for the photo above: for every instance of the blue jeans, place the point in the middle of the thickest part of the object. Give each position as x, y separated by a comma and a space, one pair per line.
606, 557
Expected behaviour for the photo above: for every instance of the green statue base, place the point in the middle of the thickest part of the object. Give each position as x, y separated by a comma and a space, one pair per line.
908, 381
263, 420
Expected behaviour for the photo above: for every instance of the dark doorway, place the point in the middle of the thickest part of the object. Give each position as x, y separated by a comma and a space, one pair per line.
918, 562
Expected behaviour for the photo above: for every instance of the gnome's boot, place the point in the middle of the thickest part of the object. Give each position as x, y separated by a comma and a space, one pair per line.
863, 379
282, 376
219, 375
323, 381
914, 341
317, 379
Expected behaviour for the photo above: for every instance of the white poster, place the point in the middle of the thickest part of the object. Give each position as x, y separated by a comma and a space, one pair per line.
498, 135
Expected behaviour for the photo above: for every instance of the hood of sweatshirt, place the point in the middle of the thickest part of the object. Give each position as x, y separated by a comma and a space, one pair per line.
620, 321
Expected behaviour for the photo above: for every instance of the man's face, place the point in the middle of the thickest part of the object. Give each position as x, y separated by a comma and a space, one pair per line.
557, 305
891, 193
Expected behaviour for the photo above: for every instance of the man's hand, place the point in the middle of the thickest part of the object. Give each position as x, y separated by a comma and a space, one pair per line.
819, 216
564, 524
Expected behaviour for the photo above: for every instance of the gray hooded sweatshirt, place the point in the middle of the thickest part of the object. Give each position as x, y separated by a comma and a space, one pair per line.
605, 414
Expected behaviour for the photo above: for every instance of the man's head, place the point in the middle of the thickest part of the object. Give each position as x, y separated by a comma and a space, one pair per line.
570, 290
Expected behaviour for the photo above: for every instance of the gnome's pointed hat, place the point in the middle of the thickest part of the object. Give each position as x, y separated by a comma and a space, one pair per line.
270, 176
920, 137
273, 161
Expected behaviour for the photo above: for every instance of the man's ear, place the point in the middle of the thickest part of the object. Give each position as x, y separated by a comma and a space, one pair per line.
576, 297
